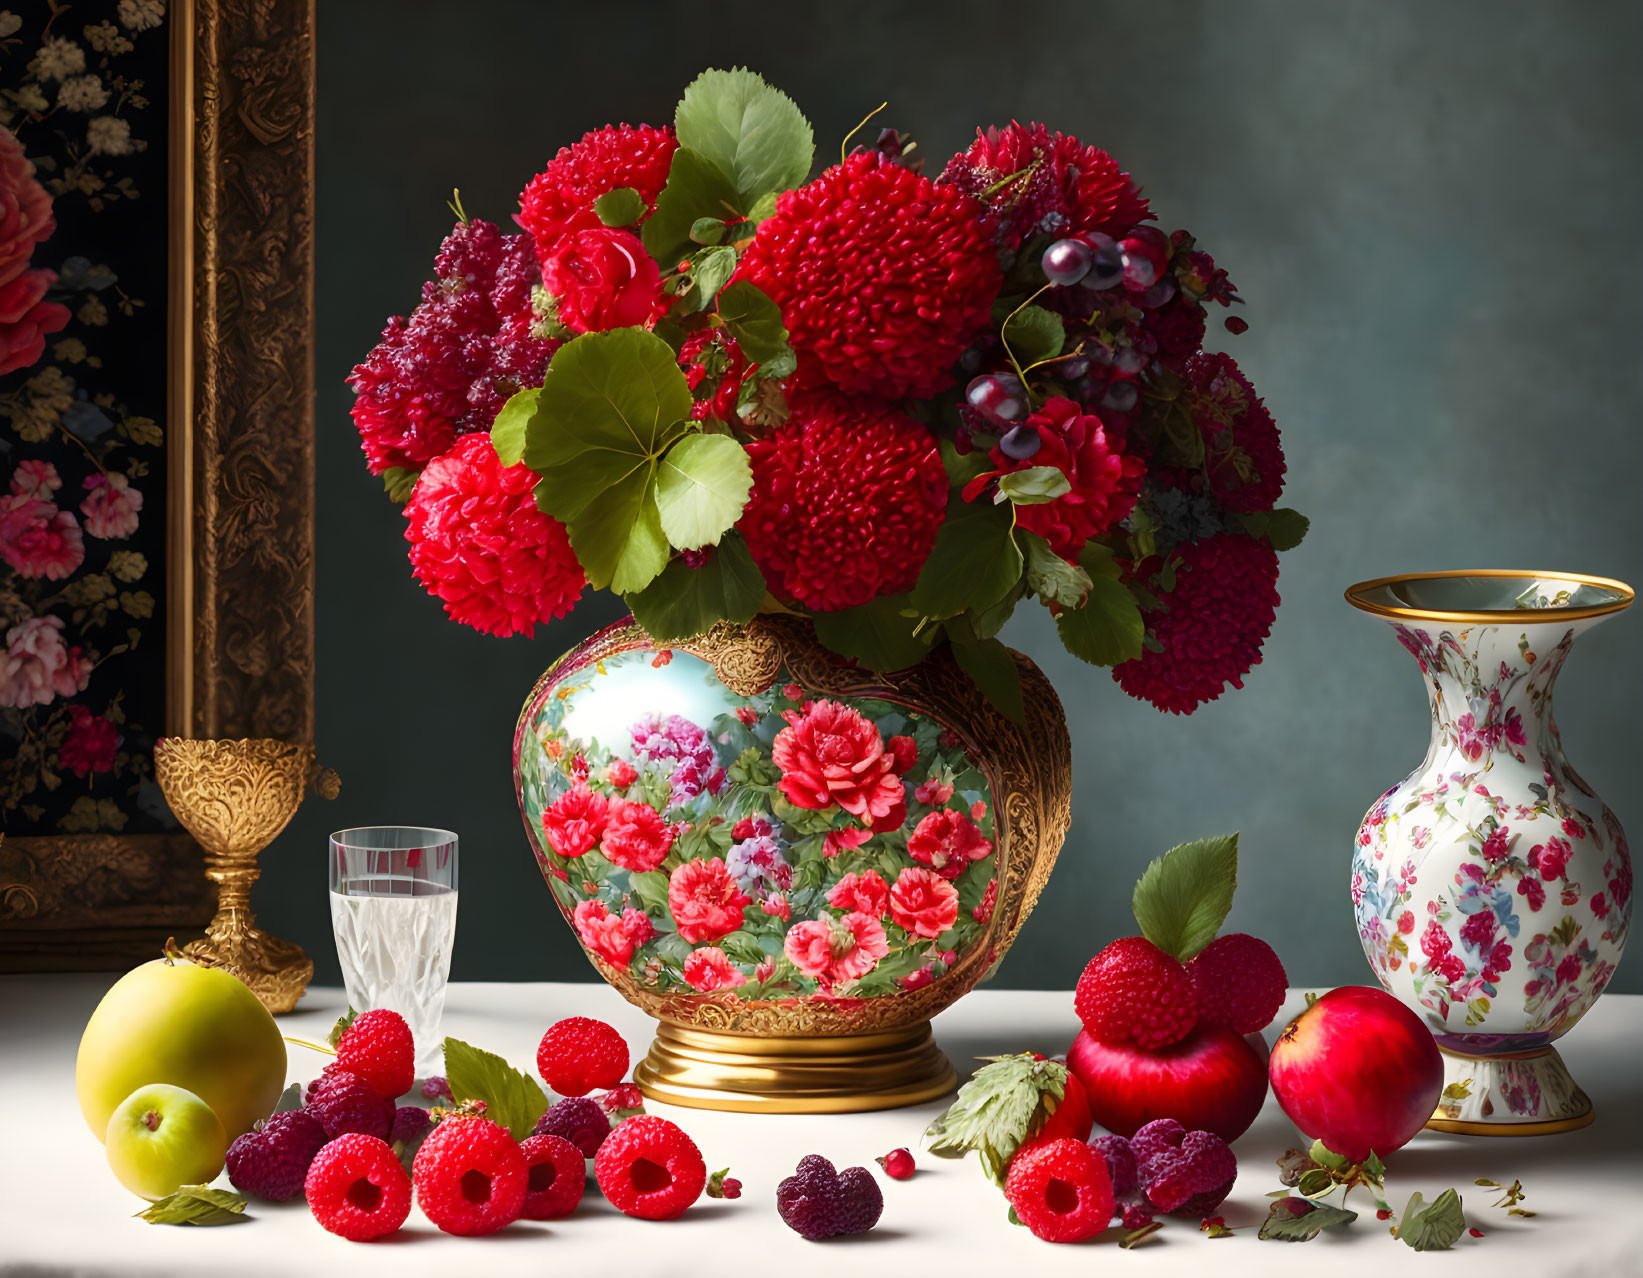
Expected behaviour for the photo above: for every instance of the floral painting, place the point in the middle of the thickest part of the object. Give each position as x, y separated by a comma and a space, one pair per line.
766, 847
82, 409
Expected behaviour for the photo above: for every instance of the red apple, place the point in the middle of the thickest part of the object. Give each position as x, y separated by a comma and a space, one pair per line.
1212, 1080
1359, 1071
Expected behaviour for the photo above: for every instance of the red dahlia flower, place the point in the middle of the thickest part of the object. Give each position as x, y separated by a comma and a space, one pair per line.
560, 198
847, 497
924, 903
705, 900
947, 842
883, 277
1090, 453
832, 754
1212, 624
479, 543
602, 278
1063, 186
447, 369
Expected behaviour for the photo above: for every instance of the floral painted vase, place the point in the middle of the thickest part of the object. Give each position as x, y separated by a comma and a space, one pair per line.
791, 862
1492, 888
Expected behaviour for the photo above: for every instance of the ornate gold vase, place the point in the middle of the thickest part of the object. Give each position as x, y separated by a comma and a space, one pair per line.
235, 797
790, 862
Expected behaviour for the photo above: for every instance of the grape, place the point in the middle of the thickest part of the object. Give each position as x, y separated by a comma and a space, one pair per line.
1066, 262
1129, 361
1139, 271
1106, 261
1120, 397
1020, 443
1070, 370
998, 397
1158, 294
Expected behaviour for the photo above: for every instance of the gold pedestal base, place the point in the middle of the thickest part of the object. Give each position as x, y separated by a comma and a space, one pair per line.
1525, 1094
745, 1073
276, 971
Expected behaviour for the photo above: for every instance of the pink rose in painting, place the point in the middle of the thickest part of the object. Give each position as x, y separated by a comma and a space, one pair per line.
620, 774
1533, 891
90, 745
947, 842
36, 667
35, 478
865, 893
935, 792
777, 906
709, 969
832, 754
845, 840
1494, 847
111, 507
636, 837
836, 951
923, 902
38, 540
26, 318
1406, 922
1573, 828
705, 900
575, 821
1550, 858
613, 937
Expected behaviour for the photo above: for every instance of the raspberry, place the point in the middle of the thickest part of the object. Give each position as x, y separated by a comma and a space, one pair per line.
356, 1188
316, 1087
377, 1047
649, 1168
579, 1054
578, 1119
557, 1176
345, 1102
1237, 981
1183, 1173
818, 1201
1136, 1215
626, 1097
1060, 1190
1120, 1163
470, 1177
271, 1160
411, 1124
1133, 991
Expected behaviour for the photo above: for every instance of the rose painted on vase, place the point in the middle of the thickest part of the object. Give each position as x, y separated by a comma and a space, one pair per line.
705, 901
836, 951
947, 842
576, 821
830, 754
923, 902
709, 969
614, 937
865, 892
110, 507
636, 837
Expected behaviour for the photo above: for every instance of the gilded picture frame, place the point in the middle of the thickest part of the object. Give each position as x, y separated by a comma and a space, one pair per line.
239, 469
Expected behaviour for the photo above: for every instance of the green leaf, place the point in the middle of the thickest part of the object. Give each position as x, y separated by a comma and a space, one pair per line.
512, 422
1051, 577
1283, 528
1315, 1182
618, 538
755, 322
962, 467
750, 132
763, 207
197, 1205
1434, 1226
708, 230
695, 189
1373, 1167
1035, 485
620, 206
877, 634
684, 602
1034, 334
991, 667
1326, 1157
399, 483
711, 269
990, 620
1109, 628
701, 488
650, 886
973, 564
1186, 894
1297, 1220
1005, 1102
511, 1098
341, 1027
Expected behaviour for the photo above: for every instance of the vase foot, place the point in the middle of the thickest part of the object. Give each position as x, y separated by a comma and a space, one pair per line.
275, 970
744, 1073
1528, 1095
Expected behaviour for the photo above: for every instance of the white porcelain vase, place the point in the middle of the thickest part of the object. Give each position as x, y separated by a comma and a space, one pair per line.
1491, 887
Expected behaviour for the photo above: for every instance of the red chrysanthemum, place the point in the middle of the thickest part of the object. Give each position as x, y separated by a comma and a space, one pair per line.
479, 543
1243, 458
447, 369
847, 497
883, 277
560, 198
1063, 186
1090, 453
1212, 624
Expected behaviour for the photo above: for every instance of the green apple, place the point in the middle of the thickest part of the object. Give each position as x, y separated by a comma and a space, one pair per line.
197, 1028
161, 1138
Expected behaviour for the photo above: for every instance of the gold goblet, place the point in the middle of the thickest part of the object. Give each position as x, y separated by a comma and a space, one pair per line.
235, 797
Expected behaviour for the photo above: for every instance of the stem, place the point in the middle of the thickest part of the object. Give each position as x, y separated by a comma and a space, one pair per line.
843, 151
1005, 341
1005, 181
303, 1042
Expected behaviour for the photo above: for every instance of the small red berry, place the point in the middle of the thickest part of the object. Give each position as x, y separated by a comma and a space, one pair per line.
730, 1187
471, 1178
356, 1188
1237, 324
557, 1176
898, 1164
579, 1054
1383, 1214
1134, 992
1238, 982
648, 1167
378, 1048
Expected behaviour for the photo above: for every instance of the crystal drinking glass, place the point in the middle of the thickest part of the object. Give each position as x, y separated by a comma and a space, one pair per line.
393, 910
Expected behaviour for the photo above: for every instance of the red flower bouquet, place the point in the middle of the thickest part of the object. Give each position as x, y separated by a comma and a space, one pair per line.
898, 404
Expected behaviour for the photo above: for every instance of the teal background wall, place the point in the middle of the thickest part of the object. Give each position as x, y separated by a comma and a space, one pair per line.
1431, 209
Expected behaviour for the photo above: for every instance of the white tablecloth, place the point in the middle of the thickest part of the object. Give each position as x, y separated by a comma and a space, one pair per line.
62, 1211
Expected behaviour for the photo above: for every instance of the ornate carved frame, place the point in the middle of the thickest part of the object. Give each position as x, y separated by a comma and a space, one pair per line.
240, 577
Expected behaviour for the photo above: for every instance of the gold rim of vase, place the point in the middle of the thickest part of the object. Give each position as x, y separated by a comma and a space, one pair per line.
1544, 1127
1357, 596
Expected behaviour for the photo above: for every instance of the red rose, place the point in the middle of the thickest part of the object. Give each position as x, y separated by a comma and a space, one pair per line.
947, 841
709, 969
575, 821
831, 754
705, 900
867, 893
90, 744
848, 839
613, 937
904, 750
636, 837
924, 903
602, 278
